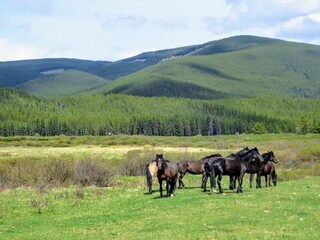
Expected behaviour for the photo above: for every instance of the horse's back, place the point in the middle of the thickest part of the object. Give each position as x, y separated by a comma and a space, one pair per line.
195, 167
173, 169
153, 169
182, 165
228, 166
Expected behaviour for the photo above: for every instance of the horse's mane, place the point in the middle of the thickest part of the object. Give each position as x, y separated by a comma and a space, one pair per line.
246, 156
164, 164
211, 156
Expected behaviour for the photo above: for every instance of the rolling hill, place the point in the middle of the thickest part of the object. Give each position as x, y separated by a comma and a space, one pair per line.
237, 67
57, 83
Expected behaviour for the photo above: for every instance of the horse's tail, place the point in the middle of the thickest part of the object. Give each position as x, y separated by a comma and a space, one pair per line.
212, 178
149, 178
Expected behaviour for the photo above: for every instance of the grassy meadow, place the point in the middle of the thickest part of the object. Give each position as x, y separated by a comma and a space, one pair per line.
47, 203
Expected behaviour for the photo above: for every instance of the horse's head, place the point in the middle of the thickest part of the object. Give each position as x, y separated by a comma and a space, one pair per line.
272, 157
255, 155
160, 161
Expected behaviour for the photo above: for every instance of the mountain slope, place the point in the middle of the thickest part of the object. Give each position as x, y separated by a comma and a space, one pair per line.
62, 83
13, 73
269, 67
127, 66
17, 72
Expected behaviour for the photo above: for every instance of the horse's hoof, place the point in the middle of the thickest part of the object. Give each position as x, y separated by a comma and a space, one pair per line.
213, 191
171, 195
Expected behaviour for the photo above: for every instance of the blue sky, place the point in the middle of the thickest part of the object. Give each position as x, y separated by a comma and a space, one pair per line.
116, 29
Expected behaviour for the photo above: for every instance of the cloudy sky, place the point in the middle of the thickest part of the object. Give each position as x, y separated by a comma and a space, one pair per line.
116, 29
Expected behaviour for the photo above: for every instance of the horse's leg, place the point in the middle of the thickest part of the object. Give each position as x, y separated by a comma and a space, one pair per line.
251, 179
168, 187
181, 184
160, 187
258, 180
219, 182
266, 179
204, 180
270, 180
240, 180
173, 185
231, 182
207, 169
212, 180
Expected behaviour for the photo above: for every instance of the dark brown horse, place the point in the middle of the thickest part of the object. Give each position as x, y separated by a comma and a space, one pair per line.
233, 166
166, 171
194, 167
151, 174
266, 169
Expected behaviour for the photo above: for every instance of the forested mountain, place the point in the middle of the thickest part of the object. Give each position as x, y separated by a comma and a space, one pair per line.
242, 66
241, 84
23, 114
247, 67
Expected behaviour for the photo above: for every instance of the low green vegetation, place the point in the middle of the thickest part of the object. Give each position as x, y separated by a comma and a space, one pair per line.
90, 187
288, 211
45, 162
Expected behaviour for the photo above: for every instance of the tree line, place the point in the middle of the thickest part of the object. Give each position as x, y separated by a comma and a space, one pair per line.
22, 114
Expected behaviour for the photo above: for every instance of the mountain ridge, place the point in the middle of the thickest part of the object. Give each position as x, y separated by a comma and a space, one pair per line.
223, 67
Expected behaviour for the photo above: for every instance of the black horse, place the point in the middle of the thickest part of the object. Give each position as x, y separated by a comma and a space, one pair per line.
232, 184
194, 167
166, 171
233, 166
268, 169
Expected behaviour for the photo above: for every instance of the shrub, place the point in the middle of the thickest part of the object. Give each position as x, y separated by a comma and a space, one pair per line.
57, 172
90, 172
259, 128
135, 162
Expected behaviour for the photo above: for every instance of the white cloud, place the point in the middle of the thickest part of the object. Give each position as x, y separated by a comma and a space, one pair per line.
11, 51
111, 30
305, 28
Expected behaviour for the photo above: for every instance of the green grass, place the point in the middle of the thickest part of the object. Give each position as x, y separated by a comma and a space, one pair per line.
288, 211
126, 211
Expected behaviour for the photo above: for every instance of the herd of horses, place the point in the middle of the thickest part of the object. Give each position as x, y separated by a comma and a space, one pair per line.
214, 167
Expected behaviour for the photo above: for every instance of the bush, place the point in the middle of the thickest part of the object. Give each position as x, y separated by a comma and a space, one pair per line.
90, 172
57, 172
135, 163
259, 128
